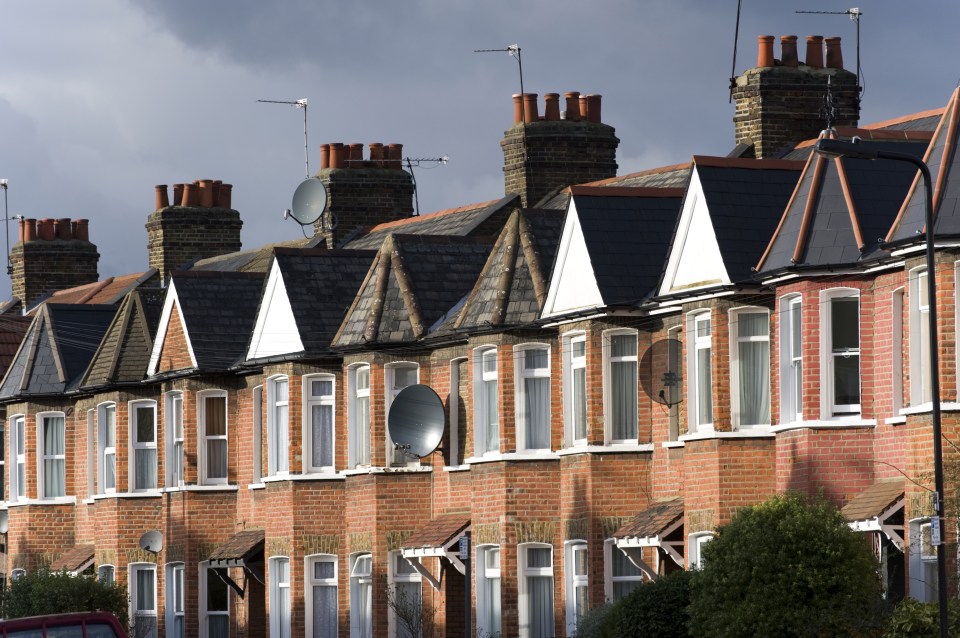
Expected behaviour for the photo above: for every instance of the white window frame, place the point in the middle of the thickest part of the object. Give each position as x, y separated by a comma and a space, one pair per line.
673, 411
205, 614
361, 578
132, 570
136, 445
203, 438
257, 474
609, 578
107, 573
489, 611
393, 579
394, 457
521, 374
325, 400
358, 434
695, 543
574, 581
608, 398
104, 451
482, 379
571, 397
697, 343
18, 458
281, 624
453, 405
91, 452
43, 457
175, 599
829, 409
278, 434
791, 360
310, 582
17, 574
526, 572
176, 457
923, 562
896, 350
920, 381
735, 364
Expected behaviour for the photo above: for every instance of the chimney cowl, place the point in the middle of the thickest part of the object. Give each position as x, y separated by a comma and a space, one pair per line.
62, 229
764, 51
530, 112
815, 51
788, 51
551, 109
834, 54
81, 229
324, 156
336, 155
573, 106
517, 108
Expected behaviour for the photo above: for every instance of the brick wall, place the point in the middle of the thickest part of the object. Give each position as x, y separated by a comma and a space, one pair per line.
362, 197
42, 266
179, 235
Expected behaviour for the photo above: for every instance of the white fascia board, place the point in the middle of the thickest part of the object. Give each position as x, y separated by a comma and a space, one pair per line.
573, 285
275, 331
169, 302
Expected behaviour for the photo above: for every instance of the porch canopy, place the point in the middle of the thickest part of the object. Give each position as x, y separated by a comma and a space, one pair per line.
244, 550
439, 538
879, 508
74, 560
659, 526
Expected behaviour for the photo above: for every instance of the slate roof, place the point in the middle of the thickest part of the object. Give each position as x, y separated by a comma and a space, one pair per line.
12, 330
124, 353
653, 521
243, 545
218, 310
73, 559
111, 290
675, 176
842, 207
873, 501
474, 220
56, 350
254, 260
941, 158
438, 532
627, 233
413, 282
512, 287
320, 285
745, 198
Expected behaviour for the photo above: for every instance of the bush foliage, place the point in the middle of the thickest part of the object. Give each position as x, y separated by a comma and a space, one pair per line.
43, 592
790, 566
913, 619
657, 609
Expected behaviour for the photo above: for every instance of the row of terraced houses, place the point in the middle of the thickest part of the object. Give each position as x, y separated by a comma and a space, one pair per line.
623, 361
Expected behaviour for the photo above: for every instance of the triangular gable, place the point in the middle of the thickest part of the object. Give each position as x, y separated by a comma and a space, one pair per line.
695, 260
124, 352
573, 285
275, 331
172, 349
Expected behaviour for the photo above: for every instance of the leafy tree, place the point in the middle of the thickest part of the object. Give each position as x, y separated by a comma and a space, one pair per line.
787, 567
43, 592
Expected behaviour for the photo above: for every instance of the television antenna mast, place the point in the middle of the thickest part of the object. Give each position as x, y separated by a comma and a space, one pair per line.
854, 14
420, 161
300, 104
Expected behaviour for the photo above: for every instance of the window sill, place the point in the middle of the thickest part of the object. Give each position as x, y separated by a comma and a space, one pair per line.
145, 494
923, 408
763, 432
256, 486
672, 444
60, 500
831, 424
375, 469
456, 468
610, 448
316, 476
203, 488
515, 456
895, 420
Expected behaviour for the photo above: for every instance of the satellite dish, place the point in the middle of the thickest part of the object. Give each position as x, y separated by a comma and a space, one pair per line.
416, 420
309, 200
661, 371
151, 542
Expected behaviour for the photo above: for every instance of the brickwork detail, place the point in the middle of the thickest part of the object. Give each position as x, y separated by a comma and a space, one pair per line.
919, 505
534, 531
610, 524
396, 538
321, 544
41, 267
278, 546
700, 521
179, 235
576, 528
486, 534
360, 542
140, 556
176, 554
362, 197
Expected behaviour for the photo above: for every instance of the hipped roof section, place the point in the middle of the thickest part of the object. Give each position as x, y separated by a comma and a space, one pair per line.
940, 158
124, 352
841, 207
56, 350
675, 176
413, 282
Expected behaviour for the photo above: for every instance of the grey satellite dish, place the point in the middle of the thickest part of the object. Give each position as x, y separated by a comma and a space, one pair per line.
151, 542
309, 200
416, 420
661, 371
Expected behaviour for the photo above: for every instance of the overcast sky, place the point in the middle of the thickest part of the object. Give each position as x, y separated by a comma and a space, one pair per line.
101, 100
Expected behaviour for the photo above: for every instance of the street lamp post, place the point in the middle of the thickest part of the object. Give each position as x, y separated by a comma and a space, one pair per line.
854, 150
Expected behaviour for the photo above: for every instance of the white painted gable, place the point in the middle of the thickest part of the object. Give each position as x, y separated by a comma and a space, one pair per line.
695, 260
573, 285
275, 332
169, 303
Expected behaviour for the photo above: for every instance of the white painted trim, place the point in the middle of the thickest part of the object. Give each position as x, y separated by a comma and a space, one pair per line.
313, 476
759, 432
515, 456
118, 495
672, 444
60, 500
837, 424
455, 468
923, 408
375, 469
573, 277
275, 331
613, 448
896, 420
205, 488
169, 301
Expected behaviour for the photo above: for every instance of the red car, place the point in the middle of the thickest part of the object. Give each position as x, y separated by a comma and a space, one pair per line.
85, 624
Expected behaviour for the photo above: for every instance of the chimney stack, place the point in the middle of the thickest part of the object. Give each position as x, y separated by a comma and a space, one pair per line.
51, 255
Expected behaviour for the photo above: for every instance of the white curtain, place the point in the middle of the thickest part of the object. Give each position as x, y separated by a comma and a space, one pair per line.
324, 610
623, 382
540, 601
704, 386
580, 403
322, 435
754, 360
54, 469
283, 596
492, 424
216, 425
146, 469
365, 608
622, 567
363, 432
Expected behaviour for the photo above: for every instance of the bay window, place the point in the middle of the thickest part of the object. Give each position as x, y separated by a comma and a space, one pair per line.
622, 575
533, 398
143, 445
536, 590
620, 386
791, 360
175, 602
106, 448
750, 366
214, 603
398, 376
53, 454
361, 596
406, 610
318, 419
173, 410
321, 596
920, 380
213, 437
18, 453
575, 388
280, 597
841, 339
278, 426
142, 583
486, 418
488, 590
701, 373
358, 416
576, 586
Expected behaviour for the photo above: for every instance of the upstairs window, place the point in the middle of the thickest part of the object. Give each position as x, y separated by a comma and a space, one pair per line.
750, 366
278, 426
575, 389
358, 416
533, 398
701, 373
486, 417
841, 319
174, 430
18, 448
105, 574
791, 360
397, 377
920, 385
107, 448
53, 454
620, 353
672, 390
318, 392
213, 437
143, 443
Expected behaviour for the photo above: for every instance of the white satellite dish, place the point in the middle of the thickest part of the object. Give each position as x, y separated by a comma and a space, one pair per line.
309, 200
151, 542
416, 420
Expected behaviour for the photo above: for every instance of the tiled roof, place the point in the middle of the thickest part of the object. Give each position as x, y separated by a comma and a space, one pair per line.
241, 546
627, 232
873, 501
73, 559
413, 282
675, 176
12, 330
111, 290
254, 260
841, 208
320, 284
124, 352
438, 532
922, 121
653, 521
218, 310
56, 350
475, 220
513, 285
